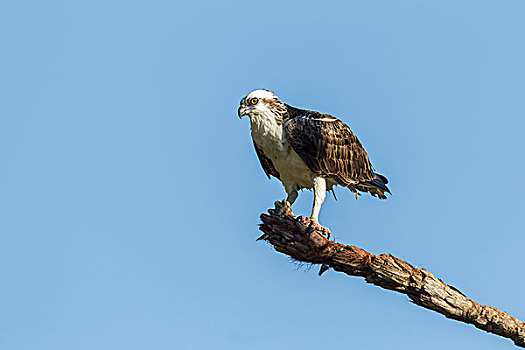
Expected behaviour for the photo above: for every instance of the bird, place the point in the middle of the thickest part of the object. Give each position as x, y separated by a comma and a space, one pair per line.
306, 149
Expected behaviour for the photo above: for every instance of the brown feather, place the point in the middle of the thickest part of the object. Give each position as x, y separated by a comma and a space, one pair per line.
330, 148
266, 163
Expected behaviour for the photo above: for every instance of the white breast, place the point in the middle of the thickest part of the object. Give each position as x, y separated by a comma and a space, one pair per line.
269, 137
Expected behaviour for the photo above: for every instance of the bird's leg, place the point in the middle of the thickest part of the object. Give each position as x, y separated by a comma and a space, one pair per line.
292, 194
319, 197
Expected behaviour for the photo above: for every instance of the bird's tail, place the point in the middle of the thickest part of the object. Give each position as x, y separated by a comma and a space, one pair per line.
376, 187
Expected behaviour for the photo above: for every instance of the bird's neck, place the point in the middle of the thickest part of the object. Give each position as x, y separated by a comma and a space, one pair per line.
266, 128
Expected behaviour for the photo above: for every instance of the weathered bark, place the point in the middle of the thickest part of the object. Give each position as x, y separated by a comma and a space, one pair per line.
292, 236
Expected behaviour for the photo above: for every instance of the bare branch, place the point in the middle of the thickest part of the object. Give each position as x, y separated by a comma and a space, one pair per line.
292, 236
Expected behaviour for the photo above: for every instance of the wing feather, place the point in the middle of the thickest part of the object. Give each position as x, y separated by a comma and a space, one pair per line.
330, 148
266, 163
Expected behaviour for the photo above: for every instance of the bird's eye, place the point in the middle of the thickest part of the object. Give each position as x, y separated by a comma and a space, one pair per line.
254, 101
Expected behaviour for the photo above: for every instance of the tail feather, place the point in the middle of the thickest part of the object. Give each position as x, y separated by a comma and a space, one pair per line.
377, 186
382, 178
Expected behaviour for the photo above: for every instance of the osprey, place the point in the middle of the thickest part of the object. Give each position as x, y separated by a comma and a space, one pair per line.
308, 149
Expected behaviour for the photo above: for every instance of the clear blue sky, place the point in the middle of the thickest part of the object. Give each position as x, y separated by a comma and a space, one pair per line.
131, 193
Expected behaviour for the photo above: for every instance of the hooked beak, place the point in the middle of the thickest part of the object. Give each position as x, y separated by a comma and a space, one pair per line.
241, 111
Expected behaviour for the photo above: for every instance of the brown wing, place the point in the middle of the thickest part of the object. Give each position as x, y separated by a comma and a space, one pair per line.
329, 148
266, 163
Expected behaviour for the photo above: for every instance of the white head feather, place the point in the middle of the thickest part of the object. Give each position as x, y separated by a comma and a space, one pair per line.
261, 103
261, 93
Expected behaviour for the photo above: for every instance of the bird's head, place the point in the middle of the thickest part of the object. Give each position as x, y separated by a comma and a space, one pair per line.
261, 102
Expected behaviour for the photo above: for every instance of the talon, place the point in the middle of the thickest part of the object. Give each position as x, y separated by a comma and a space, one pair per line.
282, 208
325, 231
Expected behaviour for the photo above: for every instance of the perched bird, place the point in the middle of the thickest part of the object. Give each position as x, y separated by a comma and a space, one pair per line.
308, 149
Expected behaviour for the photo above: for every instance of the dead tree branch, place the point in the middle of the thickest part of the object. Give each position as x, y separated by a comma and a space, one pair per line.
292, 236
